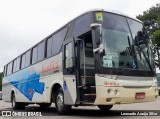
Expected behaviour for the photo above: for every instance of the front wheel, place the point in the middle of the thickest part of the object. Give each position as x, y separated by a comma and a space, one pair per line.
105, 107
59, 103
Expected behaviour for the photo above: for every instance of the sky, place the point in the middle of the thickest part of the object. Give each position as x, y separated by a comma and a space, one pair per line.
23, 23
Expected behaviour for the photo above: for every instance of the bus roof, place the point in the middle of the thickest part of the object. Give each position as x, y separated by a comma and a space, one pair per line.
92, 10
109, 11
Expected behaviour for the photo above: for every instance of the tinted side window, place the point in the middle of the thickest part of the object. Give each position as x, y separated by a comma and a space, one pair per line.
34, 55
69, 56
4, 73
58, 41
70, 30
41, 49
9, 68
28, 58
14, 66
18, 64
82, 24
49, 47
23, 61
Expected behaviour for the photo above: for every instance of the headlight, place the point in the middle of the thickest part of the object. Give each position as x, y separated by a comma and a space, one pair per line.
109, 91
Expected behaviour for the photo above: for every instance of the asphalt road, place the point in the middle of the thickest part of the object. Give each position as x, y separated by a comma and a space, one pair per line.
117, 112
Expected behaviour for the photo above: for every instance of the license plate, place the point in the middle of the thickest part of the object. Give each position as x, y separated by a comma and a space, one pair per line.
140, 95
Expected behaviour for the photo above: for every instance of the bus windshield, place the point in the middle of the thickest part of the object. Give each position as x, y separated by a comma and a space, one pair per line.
117, 33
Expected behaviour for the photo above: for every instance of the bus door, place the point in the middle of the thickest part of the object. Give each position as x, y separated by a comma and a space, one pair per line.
69, 84
86, 68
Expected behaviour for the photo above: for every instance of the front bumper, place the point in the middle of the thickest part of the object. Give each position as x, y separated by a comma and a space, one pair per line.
124, 95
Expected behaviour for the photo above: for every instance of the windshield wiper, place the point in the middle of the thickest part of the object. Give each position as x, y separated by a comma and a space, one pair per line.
147, 59
141, 39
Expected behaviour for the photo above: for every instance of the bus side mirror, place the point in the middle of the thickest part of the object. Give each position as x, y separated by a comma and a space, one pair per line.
140, 39
98, 32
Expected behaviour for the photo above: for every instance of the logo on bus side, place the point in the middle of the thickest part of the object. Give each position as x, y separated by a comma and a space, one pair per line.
111, 83
51, 67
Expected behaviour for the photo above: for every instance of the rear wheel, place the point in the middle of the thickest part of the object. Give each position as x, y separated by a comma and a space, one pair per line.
17, 105
59, 103
105, 107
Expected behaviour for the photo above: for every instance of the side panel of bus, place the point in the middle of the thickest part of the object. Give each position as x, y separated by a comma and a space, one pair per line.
34, 83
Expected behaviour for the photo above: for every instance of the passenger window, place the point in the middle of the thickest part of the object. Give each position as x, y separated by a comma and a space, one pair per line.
58, 41
4, 71
70, 30
18, 64
82, 25
23, 61
14, 66
69, 57
41, 49
49, 47
28, 58
34, 55
9, 68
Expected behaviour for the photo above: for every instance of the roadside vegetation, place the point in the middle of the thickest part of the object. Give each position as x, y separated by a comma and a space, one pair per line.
151, 20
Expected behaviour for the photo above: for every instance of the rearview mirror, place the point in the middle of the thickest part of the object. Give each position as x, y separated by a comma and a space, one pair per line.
140, 38
98, 32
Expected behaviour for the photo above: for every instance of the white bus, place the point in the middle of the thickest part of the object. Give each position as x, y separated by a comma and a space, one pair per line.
100, 58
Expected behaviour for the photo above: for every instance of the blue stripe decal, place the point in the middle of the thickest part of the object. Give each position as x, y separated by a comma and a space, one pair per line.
27, 82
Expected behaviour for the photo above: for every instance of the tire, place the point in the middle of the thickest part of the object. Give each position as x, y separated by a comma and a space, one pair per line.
59, 103
105, 108
44, 105
16, 105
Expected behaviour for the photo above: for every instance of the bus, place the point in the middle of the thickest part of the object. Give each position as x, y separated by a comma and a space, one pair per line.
100, 58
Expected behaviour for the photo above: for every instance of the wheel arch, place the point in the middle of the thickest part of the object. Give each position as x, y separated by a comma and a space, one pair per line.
55, 86
54, 91
12, 92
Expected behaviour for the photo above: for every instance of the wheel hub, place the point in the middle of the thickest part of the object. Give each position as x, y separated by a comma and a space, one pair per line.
59, 101
13, 102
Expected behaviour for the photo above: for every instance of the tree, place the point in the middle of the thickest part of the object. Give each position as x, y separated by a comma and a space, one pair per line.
156, 37
151, 20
